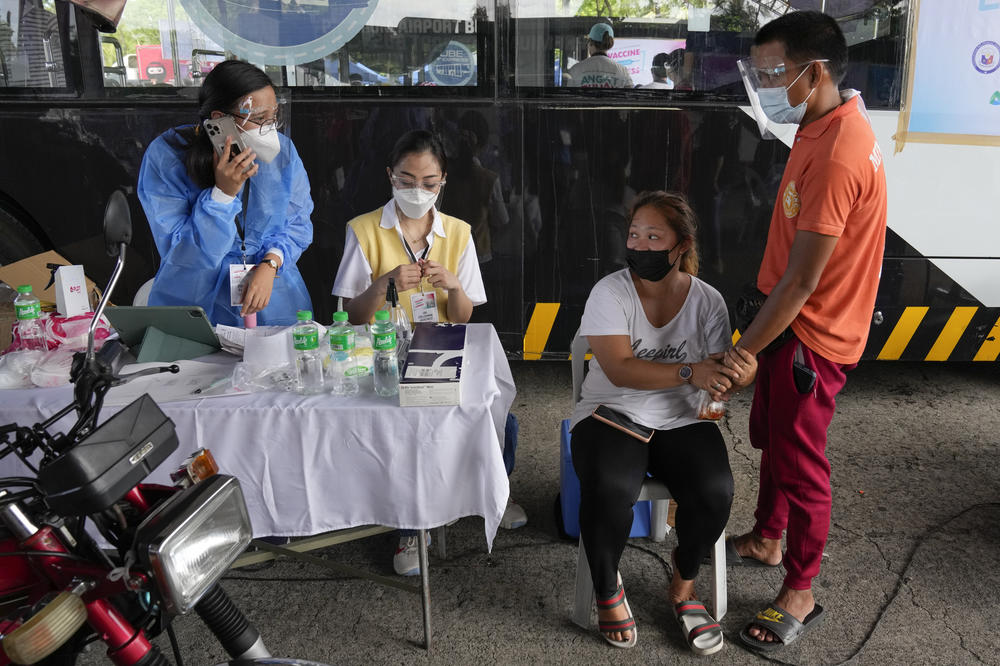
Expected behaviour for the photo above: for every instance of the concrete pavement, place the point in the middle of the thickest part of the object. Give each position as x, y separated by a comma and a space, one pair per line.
911, 573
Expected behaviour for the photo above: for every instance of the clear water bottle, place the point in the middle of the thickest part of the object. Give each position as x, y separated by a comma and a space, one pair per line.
308, 359
386, 365
342, 371
29, 321
397, 315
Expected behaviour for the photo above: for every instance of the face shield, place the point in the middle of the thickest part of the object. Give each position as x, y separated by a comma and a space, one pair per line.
764, 78
262, 120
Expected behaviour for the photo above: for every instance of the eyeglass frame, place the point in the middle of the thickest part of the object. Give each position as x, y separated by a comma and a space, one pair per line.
773, 73
434, 189
263, 128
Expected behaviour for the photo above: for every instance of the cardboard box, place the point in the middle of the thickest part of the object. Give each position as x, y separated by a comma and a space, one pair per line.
34, 272
432, 375
7, 319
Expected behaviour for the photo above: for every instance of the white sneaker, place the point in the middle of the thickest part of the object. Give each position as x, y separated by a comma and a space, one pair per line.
406, 561
513, 516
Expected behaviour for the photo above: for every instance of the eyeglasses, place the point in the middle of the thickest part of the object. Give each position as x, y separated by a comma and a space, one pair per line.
773, 75
264, 125
408, 183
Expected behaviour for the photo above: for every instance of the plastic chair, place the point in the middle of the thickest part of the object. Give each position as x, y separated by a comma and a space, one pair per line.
660, 502
142, 294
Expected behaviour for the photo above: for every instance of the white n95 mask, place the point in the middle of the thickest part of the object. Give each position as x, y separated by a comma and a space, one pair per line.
414, 202
266, 147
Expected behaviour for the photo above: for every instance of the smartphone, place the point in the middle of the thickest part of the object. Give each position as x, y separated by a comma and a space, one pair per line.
218, 129
605, 414
804, 377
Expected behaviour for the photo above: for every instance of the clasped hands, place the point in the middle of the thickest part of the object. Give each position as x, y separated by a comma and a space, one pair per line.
724, 374
408, 276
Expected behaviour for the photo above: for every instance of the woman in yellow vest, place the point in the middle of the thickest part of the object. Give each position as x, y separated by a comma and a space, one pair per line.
431, 256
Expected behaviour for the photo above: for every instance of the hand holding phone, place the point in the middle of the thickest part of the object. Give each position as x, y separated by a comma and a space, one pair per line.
218, 129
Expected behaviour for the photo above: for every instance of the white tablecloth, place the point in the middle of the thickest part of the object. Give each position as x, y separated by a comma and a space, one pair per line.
318, 463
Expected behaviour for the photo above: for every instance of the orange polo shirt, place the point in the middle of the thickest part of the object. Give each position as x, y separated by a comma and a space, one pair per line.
834, 184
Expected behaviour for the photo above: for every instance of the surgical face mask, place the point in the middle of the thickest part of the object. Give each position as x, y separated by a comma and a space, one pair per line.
774, 102
266, 146
414, 202
652, 265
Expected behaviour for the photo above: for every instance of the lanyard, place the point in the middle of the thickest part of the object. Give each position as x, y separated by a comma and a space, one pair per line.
241, 221
409, 251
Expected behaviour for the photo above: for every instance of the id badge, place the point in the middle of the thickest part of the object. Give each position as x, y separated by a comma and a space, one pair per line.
237, 282
424, 306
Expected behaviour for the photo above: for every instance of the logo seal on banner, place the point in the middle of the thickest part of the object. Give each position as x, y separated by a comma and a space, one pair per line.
454, 67
278, 37
986, 57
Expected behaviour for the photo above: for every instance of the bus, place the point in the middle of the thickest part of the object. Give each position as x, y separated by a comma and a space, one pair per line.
543, 171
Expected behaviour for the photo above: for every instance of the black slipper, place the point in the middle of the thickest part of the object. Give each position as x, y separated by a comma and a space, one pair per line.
734, 559
782, 624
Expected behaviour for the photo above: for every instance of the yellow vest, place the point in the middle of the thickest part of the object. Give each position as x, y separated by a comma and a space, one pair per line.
384, 251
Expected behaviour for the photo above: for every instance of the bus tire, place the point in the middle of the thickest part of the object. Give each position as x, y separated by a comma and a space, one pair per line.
18, 241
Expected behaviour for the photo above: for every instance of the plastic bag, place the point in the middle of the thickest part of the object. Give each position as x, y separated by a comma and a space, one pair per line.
67, 332
52, 369
249, 378
16, 366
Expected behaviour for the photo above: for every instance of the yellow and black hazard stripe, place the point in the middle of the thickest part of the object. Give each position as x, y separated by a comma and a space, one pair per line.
919, 333
964, 333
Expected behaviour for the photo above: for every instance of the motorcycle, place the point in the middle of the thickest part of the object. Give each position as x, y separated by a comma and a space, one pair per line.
169, 545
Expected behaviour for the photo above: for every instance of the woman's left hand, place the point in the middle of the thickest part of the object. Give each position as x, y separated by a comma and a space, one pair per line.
257, 294
439, 276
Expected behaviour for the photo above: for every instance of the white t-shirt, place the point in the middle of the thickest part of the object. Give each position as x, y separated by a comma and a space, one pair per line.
659, 85
699, 329
599, 71
355, 273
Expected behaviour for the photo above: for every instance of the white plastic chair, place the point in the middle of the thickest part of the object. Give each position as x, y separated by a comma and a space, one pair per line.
142, 295
659, 497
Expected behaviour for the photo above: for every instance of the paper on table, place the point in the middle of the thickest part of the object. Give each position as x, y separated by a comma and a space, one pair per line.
195, 380
271, 346
231, 338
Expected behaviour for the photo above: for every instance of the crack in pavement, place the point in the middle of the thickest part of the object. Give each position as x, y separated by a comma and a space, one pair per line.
942, 619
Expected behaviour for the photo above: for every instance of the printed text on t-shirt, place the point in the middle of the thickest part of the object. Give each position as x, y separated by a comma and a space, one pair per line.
677, 353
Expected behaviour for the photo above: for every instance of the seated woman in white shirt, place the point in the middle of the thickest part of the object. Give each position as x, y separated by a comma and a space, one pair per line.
431, 257
656, 332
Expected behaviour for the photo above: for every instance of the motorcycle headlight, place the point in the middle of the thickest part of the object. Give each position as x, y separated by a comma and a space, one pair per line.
192, 538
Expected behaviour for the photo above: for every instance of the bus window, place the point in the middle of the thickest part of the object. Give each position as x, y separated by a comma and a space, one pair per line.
31, 53
148, 36
310, 43
675, 46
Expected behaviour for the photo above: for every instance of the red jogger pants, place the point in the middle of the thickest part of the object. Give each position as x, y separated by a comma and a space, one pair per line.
790, 430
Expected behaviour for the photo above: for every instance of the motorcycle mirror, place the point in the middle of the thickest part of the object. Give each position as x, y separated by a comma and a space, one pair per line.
117, 223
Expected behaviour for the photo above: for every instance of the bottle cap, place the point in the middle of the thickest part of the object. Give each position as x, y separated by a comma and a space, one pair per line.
340, 316
24, 289
304, 315
381, 315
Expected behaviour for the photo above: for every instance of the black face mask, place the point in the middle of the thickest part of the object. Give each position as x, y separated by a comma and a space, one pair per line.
652, 265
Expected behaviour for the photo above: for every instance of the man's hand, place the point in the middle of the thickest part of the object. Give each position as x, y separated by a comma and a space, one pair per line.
743, 364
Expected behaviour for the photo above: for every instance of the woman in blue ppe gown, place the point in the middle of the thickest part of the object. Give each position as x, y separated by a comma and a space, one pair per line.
208, 213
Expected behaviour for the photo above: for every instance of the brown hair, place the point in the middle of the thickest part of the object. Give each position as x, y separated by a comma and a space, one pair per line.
604, 45
680, 217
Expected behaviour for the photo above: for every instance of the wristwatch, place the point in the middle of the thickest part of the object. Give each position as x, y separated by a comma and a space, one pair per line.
685, 372
271, 262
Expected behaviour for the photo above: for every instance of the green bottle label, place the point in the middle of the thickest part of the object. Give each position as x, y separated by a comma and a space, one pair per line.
384, 341
342, 342
28, 310
305, 340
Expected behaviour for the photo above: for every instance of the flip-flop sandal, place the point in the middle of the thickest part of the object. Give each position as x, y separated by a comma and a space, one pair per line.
619, 626
734, 559
702, 632
782, 624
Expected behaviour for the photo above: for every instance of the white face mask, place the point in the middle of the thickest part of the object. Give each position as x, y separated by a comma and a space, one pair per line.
774, 102
266, 147
414, 202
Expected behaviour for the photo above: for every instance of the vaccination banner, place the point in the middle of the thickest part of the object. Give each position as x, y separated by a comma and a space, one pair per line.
953, 93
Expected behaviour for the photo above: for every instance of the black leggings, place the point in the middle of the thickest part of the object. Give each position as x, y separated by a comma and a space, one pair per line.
691, 461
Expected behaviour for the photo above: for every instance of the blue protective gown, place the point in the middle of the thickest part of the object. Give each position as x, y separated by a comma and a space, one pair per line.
197, 237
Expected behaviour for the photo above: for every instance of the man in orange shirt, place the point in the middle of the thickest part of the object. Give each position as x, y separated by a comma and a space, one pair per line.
820, 273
